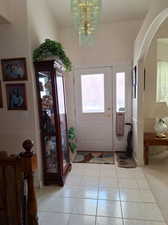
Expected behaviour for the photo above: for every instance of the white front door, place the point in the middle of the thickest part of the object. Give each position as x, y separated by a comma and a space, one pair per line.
94, 102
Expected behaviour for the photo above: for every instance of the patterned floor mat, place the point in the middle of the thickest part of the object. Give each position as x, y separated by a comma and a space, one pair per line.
94, 157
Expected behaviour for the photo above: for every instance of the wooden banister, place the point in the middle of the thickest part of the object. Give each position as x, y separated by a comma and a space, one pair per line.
16, 180
29, 165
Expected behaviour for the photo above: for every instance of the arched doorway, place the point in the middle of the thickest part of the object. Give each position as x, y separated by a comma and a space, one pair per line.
139, 61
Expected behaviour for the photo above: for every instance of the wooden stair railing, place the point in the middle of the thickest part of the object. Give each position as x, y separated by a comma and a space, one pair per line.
18, 204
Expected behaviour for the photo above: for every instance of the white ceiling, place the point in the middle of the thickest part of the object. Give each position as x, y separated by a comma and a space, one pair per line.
112, 10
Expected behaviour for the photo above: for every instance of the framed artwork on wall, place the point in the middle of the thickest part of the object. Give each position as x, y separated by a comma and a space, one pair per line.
134, 82
14, 69
16, 96
1, 99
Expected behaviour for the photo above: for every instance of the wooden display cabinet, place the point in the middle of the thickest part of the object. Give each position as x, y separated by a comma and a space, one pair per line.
53, 121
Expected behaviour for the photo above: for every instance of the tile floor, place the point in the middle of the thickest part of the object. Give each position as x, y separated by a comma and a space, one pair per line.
100, 195
157, 175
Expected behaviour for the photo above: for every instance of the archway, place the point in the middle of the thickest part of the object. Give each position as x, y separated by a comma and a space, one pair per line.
152, 30
138, 103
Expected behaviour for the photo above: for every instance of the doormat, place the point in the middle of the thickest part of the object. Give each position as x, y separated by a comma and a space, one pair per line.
94, 157
124, 162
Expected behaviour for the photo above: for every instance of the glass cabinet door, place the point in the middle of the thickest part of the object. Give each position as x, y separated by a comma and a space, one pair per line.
63, 121
48, 128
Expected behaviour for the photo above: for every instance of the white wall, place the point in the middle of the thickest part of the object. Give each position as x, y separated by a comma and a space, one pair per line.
30, 25
42, 23
155, 52
15, 126
5, 10
155, 8
162, 51
113, 44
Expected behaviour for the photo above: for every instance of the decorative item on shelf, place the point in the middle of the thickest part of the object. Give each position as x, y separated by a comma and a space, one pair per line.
72, 139
160, 110
14, 69
47, 102
86, 15
160, 128
52, 50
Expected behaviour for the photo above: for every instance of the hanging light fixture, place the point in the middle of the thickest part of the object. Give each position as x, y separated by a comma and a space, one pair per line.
86, 14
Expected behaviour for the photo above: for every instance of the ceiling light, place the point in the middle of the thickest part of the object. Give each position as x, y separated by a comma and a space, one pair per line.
86, 14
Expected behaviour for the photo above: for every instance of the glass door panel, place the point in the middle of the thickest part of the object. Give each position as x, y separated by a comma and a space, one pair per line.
48, 122
63, 122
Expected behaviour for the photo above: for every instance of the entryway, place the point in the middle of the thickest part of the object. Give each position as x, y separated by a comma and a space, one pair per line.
101, 94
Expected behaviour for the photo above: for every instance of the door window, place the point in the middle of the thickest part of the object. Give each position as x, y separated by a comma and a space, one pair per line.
120, 92
92, 90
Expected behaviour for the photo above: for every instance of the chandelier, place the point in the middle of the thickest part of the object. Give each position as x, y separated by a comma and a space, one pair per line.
86, 14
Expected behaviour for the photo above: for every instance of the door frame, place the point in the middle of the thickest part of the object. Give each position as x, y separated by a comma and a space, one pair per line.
115, 67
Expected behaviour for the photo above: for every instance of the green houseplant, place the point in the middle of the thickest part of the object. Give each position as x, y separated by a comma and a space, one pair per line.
72, 139
51, 48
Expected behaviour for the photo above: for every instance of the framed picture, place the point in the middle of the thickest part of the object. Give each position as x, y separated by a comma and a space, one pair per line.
14, 69
16, 96
134, 82
1, 99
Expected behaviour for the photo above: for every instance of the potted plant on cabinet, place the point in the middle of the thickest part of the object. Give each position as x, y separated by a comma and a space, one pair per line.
50, 49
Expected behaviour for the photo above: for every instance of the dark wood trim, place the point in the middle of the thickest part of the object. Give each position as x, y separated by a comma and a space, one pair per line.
1, 95
150, 139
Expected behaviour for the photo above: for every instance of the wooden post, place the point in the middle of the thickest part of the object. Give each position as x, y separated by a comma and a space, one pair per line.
29, 165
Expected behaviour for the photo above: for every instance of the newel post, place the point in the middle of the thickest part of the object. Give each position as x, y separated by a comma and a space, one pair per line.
29, 165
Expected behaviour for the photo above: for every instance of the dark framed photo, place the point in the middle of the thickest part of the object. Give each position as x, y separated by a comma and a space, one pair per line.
16, 96
1, 98
14, 69
134, 82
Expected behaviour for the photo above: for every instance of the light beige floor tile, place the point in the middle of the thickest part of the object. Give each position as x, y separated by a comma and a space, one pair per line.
109, 194
147, 196
81, 220
60, 205
109, 208
141, 222
48, 218
90, 181
130, 195
74, 180
136, 195
143, 184
85, 207
108, 182
80, 192
108, 221
144, 211
88, 192
128, 183
73, 204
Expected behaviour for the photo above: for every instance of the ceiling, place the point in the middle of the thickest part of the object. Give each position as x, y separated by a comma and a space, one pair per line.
112, 10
